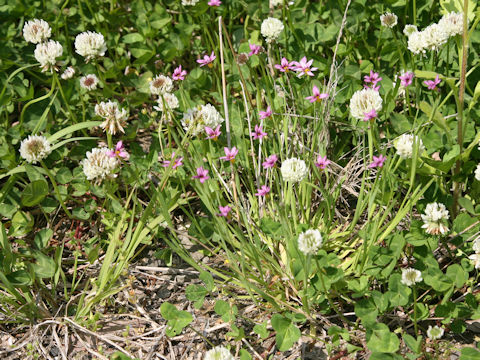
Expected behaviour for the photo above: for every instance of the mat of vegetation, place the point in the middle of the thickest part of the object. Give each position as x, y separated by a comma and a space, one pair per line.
244, 179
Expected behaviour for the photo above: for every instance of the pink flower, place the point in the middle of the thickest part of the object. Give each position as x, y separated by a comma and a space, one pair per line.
377, 161
214, 3
285, 66
254, 49
303, 67
213, 134
119, 151
224, 210
432, 84
179, 74
207, 60
263, 191
229, 154
202, 175
176, 162
270, 161
406, 78
370, 115
322, 162
317, 96
374, 78
258, 133
265, 114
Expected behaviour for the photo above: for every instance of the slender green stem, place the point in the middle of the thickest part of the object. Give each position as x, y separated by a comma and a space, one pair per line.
415, 309
55, 187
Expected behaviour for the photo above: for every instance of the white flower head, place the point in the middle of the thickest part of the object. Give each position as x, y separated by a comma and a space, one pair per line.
294, 170
46, 54
36, 31
434, 36
160, 85
90, 45
410, 29
309, 242
388, 20
115, 118
195, 120
475, 259
364, 101
218, 353
416, 43
189, 2
171, 102
35, 148
436, 214
99, 165
271, 29
476, 245
435, 333
404, 145
274, 3
68, 73
452, 23
477, 172
411, 276
89, 82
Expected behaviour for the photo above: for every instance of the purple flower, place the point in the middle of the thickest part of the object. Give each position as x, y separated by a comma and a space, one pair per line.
202, 175
270, 161
407, 78
432, 84
179, 74
322, 162
265, 114
207, 60
263, 191
258, 133
213, 134
317, 96
285, 66
214, 3
229, 154
176, 162
377, 161
373, 78
303, 67
119, 151
372, 114
224, 210
254, 49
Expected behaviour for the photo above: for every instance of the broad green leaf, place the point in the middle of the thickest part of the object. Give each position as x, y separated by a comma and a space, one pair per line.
287, 332
457, 275
34, 193
261, 330
469, 353
380, 339
196, 293
177, 320
42, 238
207, 279
414, 344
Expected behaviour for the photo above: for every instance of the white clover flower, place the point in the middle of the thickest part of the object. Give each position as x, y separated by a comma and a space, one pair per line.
452, 23
434, 36
195, 120
171, 102
89, 82
189, 2
294, 170
309, 242
388, 20
416, 43
434, 219
364, 101
274, 3
90, 45
46, 54
475, 259
160, 85
404, 145
35, 148
411, 276
115, 118
99, 165
410, 29
435, 333
68, 73
218, 353
476, 245
477, 172
271, 29
36, 31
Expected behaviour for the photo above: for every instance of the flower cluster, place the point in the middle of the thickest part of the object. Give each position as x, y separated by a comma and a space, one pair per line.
294, 170
89, 82
404, 145
35, 148
161, 85
271, 29
411, 276
195, 120
90, 45
363, 102
115, 118
99, 165
388, 20
46, 54
475, 257
218, 353
310, 241
36, 31
434, 219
